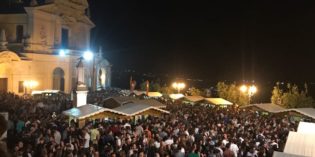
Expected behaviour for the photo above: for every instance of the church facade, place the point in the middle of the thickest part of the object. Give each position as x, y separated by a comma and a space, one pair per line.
40, 48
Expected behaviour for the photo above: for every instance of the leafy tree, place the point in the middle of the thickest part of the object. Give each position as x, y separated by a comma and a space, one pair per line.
153, 86
143, 86
277, 93
194, 91
292, 97
232, 93
167, 90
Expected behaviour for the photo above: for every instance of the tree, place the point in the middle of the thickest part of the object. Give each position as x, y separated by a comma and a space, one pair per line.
153, 86
231, 93
292, 97
143, 86
167, 90
194, 91
276, 94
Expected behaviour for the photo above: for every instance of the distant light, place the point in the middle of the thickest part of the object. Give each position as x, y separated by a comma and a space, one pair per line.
252, 89
243, 88
62, 53
88, 55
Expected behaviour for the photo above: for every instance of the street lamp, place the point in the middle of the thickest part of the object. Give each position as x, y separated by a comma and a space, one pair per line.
62, 52
88, 55
178, 86
249, 90
30, 85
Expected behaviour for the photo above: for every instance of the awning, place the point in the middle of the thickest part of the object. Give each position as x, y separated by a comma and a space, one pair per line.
309, 112
176, 96
218, 101
150, 102
305, 127
155, 94
281, 154
194, 98
300, 144
269, 107
88, 111
134, 108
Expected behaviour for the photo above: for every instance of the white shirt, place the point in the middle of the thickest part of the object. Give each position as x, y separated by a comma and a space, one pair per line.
234, 148
87, 140
57, 137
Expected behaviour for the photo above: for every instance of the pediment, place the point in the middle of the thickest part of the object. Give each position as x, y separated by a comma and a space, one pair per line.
8, 56
71, 11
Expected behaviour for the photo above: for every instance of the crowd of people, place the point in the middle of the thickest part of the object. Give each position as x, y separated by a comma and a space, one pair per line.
193, 131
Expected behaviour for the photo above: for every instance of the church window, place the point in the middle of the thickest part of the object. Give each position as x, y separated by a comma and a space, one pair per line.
64, 38
19, 33
21, 86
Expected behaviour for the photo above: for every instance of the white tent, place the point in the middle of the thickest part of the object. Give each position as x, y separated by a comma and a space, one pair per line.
176, 96
305, 127
218, 101
300, 144
281, 154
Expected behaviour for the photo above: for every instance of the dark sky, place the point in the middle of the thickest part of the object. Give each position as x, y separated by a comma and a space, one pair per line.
219, 40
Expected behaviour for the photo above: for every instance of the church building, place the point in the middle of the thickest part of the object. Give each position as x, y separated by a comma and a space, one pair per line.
42, 43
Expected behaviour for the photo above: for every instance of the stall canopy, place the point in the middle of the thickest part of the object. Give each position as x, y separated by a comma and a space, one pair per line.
194, 98
300, 144
135, 108
88, 111
269, 107
305, 127
114, 102
309, 112
176, 96
155, 94
138, 93
281, 154
150, 102
150, 94
218, 101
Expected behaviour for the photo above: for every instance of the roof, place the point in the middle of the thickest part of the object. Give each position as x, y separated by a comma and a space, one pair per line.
269, 107
306, 127
194, 98
135, 108
281, 154
114, 102
176, 96
151, 102
139, 92
218, 101
300, 144
310, 112
123, 99
155, 94
88, 110
84, 111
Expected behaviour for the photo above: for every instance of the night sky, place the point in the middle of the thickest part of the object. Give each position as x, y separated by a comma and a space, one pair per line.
217, 40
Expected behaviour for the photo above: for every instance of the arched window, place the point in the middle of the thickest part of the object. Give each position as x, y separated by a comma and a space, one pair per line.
19, 33
58, 79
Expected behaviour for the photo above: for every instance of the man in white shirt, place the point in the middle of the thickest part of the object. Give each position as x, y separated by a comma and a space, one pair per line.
87, 138
234, 148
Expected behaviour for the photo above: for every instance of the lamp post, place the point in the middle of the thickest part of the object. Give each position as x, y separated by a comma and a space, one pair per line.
249, 90
178, 86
